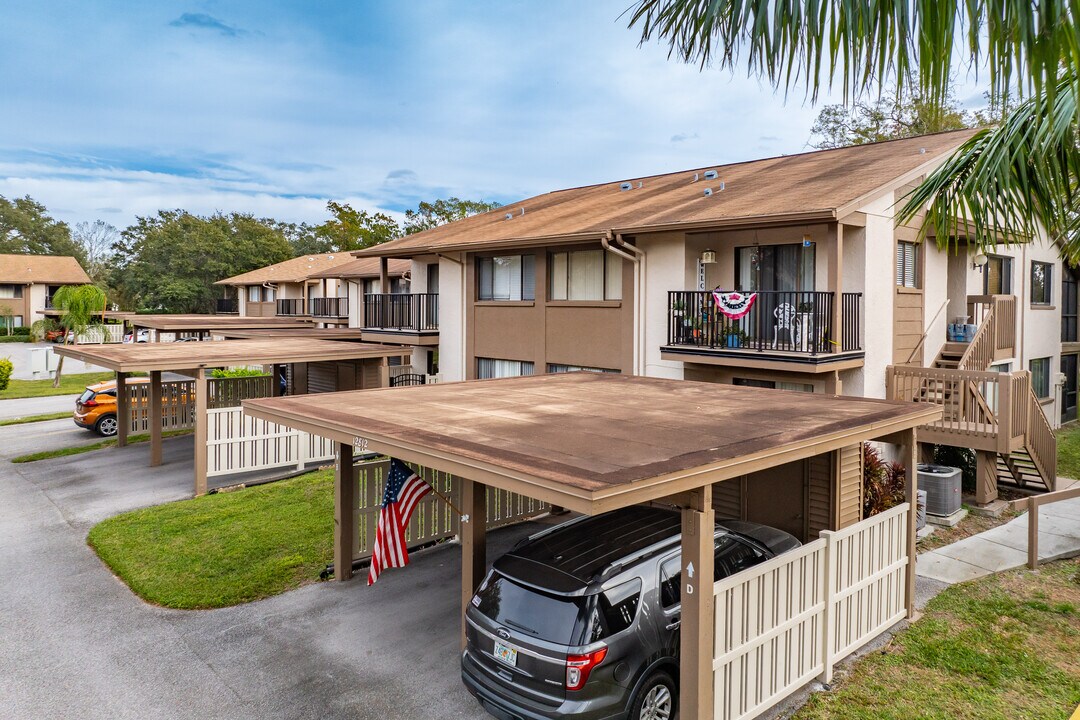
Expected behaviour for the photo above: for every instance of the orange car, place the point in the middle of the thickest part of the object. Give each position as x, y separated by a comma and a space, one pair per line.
96, 408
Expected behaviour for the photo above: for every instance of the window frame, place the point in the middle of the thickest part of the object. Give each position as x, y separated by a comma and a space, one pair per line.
17, 290
521, 367
1006, 274
1045, 377
902, 265
1047, 284
526, 266
611, 268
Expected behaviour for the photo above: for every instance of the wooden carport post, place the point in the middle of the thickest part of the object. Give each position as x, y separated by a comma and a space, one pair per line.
202, 403
909, 454
123, 410
697, 632
473, 543
344, 513
155, 418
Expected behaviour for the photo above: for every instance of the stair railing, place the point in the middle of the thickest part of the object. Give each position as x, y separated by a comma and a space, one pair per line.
980, 352
925, 333
1040, 441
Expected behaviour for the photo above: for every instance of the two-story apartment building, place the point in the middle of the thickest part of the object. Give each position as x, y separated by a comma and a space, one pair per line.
287, 289
27, 283
787, 272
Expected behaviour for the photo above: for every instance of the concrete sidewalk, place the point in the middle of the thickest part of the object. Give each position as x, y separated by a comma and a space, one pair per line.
1005, 547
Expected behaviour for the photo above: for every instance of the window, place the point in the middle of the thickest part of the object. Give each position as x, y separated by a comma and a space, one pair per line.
997, 275
1041, 277
774, 384
1040, 377
907, 264
508, 278
730, 555
11, 291
613, 610
371, 286
548, 617
554, 368
782, 268
254, 293
585, 275
1068, 305
269, 294
488, 368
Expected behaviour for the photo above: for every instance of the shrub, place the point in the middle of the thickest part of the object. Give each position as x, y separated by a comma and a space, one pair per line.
237, 372
21, 330
962, 458
15, 338
6, 368
883, 483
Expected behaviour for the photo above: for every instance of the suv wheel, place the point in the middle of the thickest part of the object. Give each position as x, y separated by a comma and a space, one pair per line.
656, 699
106, 426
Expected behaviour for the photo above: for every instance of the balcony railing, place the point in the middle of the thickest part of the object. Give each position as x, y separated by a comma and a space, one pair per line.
291, 306
224, 306
333, 307
792, 322
418, 312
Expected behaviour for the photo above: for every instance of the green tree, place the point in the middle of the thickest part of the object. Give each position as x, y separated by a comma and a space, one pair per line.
351, 229
440, 212
1004, 182
890, 117
26, 228
170, 262
80, 308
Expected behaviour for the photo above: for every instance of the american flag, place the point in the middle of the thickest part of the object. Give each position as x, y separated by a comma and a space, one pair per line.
404, 489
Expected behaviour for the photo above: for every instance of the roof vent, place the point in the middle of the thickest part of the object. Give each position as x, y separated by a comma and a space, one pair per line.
329, 257
711, 174
922, 151
509, 216
696, 176
722, 185
708, 192
626, 186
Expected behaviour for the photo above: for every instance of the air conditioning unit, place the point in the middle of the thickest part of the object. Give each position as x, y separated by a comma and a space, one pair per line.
942, 485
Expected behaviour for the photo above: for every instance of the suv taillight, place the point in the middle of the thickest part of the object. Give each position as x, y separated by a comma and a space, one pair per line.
578, 668
90, 403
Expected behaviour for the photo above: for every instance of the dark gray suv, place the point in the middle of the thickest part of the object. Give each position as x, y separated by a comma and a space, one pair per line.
582, 619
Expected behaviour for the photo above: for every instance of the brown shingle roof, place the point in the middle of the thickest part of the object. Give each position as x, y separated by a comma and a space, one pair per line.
296, 270
58, 269
361, 268
813, 184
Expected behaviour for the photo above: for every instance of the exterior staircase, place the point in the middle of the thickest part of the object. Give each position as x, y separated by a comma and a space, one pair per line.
995, 414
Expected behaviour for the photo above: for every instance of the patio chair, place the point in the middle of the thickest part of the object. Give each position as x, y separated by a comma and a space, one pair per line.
785, 320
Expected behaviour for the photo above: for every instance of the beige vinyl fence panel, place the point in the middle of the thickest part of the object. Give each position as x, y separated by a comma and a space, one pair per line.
784, 622
239, 443
102, 334
433, 518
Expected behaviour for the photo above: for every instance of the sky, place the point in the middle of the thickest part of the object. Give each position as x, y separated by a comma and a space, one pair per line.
113, 110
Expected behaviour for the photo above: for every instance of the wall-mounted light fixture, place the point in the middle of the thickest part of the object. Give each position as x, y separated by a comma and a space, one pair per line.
978, 262
708, 257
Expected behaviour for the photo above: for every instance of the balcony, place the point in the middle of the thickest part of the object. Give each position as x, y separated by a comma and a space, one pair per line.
781, 330
227, 306
334, 308
407, 318
291, 307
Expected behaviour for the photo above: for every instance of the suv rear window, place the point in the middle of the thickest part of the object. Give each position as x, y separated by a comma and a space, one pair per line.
86, 396
548, 617
613, 610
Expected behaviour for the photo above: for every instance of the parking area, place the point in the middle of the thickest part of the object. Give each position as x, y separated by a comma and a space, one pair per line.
78, 643
19, 353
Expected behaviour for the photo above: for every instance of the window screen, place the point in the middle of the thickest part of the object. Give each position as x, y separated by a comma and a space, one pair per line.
1040, 377
509, 278
11, 291
585, 275
907, 261
488, 368
1040, 283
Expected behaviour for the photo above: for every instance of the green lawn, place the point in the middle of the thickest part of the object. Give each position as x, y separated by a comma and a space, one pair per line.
1069, 451
36, 418
69, 385
101, 444
224, 549
1003, 647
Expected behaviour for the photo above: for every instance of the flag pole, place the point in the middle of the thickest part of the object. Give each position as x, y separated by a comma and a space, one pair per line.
447, 500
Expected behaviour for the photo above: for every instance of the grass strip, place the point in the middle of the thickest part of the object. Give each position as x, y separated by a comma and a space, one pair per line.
998, 648
69, 385
1068, 444
79, 450
223, 549
36, 418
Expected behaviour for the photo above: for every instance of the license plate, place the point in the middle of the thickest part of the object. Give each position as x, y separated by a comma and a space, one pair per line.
506, 654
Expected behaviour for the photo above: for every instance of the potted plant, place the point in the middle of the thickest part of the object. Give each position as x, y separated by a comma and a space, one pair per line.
733, 335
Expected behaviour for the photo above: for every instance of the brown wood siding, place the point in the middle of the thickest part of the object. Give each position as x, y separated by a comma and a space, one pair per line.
727, 499
322, 377
907, 326
849, 487
818, 495
367, 375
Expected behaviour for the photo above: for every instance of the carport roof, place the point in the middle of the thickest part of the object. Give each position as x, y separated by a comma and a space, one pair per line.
221, 353
170, 323
593, 442
328, 333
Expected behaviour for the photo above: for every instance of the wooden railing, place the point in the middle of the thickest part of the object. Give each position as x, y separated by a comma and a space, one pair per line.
1033, 504
996, 337
1040, 441
229, 392
980, 352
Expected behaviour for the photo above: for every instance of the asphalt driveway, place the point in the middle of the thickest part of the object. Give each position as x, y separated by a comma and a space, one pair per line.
76, 643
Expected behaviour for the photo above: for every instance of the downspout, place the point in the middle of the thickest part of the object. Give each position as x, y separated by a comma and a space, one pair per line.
636, 256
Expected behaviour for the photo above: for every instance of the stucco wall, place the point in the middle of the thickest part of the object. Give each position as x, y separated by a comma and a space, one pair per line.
665, 270
451, 320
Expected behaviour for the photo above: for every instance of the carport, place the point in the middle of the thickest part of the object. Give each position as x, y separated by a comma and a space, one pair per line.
197, 359
598, 442
200, 325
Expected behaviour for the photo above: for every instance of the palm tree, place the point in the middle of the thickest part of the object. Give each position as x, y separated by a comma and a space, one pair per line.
77, 306
1005, 182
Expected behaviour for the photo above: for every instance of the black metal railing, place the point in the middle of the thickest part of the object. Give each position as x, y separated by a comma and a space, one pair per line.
332, 307
401, 311
224, 306
799, 322
290, 306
